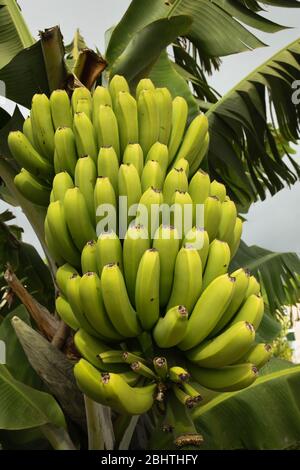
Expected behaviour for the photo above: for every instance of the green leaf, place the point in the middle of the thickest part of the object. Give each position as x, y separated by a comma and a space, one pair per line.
146, 46
206, 34
73, 49
41, 69
14, 33
265, 415
244, 151
164, 74
16, 361
278, 274
23, 407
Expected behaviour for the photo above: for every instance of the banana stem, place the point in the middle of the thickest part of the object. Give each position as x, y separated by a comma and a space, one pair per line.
99, 424
58, 437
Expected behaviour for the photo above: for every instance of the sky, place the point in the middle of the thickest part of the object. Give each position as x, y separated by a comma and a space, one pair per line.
274, 223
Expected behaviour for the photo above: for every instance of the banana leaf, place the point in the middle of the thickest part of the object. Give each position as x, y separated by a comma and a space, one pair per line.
16, 361
206, 33
263, 416
14, 33
278, 273
23, 407
244, 151
146, 46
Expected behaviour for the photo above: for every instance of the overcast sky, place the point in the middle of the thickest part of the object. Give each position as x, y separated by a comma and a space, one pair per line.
274, 223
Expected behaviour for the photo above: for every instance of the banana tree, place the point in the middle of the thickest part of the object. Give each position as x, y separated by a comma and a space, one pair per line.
250, 159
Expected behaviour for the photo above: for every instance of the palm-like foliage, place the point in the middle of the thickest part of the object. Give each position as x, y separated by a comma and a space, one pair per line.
251, 128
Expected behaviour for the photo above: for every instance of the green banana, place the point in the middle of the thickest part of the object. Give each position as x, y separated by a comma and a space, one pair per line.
226, 379
193, 138
182, 214
108, 165
56, 220
144, 84
148, 116
32, 189
85, 106
149, 210
107, 130
105, 202
226, 348
147, 289
136, 243
202, 151
164, 103
187, 279
80, 93
227, 221
152, 176
117, 303
89, 347
161, 367
129, 186
101, 96
27, 130
251, 311
134, 154
93, 306
62, 275
184, 164
171, 329
258, 354
208, 311
143, 370
212, 216
108, 251
253, 287
85, 179
65, 312
217, 262
218, 190
179, 120
74, 299
56, 163
166, 242
160, 153
126, 399
126, 113
60, 185
85, 136
65, 150
27, 157
52, 246
89, 258
183, 397
117, 85
235, 240
199, 191
61, 109
198, 239
179, 375
241, 285
42, 125
77, 218
176, 180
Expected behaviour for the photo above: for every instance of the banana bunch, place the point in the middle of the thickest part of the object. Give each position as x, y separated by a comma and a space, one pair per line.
155, 312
